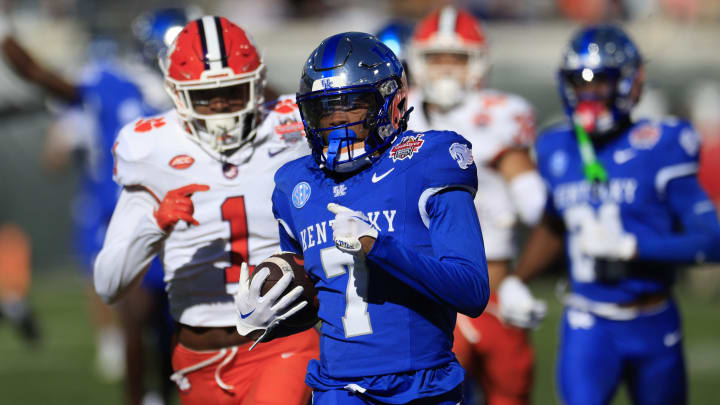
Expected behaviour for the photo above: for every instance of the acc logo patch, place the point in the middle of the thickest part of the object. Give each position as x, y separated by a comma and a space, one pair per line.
145, 125
462, 155
181, 162
645, 137
300, 194
407, 147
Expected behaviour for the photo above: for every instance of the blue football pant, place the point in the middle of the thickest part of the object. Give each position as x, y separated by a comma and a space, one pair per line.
345, 397
597, 354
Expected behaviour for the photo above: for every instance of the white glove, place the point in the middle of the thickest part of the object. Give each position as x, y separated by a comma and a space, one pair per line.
256, 312
517, 305
348, 227
606, 241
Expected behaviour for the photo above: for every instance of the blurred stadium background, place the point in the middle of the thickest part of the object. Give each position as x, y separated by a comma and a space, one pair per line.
679, 39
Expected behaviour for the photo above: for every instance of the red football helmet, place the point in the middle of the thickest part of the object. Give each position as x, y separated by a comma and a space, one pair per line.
448, 31
215, 77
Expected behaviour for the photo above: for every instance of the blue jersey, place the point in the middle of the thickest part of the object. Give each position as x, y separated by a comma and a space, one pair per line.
395, 311
110, 99
651, 191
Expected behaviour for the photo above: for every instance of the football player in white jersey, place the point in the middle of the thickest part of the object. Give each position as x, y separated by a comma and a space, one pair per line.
448, 59
197, 185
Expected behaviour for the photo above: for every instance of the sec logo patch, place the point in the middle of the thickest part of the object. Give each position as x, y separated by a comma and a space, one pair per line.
301, 194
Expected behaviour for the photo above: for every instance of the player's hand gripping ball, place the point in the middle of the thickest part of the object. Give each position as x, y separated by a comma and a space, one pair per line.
280, 264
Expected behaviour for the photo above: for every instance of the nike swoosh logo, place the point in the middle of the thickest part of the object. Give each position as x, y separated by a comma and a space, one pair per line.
273, 153
243, 316
623, 156
376, 178
287, 355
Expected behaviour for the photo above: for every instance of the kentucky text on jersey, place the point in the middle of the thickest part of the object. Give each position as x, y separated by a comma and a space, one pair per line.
618, 191
316, 235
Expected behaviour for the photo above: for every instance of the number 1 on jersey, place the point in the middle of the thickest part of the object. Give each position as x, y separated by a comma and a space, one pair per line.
233, 211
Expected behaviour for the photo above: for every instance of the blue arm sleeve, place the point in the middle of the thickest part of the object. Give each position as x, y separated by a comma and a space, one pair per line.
281, 212
700, 237
456, 274
287, 243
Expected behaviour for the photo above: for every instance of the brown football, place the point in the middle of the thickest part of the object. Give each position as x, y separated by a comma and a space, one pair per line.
279, 264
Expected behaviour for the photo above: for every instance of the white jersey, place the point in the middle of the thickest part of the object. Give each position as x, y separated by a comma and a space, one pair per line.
236, 223
493, 122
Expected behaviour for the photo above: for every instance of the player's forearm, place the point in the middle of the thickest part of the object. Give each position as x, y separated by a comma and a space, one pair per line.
455, 281
699, 239
689, 247
131, 242
26, 67
456, 274
543, 247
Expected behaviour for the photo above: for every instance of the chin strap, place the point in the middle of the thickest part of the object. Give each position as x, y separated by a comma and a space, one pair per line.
402, 124
594, 170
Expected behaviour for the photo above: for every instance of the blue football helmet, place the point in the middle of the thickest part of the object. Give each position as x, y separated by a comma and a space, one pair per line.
600, 54
155, 31
396, 35
352, 80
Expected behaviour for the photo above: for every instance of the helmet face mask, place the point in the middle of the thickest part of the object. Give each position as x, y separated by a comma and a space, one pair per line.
352, 100
215, 78
600, 78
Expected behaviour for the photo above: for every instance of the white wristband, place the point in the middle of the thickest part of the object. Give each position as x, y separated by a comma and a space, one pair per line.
528, 193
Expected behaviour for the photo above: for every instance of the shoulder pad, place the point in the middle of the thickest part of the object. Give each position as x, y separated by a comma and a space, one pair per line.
133, 149
285, 177
446, 161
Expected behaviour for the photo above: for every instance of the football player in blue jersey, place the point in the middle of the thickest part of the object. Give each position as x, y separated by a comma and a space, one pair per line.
625, 198
385, 220
114, 90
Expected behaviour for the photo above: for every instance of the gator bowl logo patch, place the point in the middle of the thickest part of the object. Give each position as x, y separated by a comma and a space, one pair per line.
407, 147
462, 155
300, 194
645, 137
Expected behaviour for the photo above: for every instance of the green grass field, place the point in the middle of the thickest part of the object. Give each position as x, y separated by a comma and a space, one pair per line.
61, 370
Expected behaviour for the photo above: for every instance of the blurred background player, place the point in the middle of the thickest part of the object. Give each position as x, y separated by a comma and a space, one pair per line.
117, 87
15, 278
449, 60
15, 244
396, 35
626, 198
212, 144
389, 282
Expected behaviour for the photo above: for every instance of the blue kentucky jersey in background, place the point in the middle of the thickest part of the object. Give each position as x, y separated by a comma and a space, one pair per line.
110, 99
376, 320
651, 192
